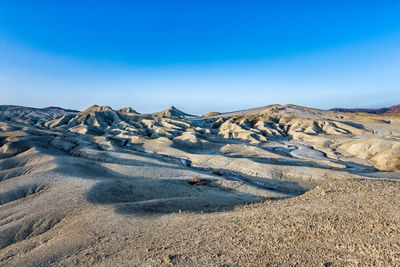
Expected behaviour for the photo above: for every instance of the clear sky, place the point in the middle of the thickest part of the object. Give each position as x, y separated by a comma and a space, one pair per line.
199, 55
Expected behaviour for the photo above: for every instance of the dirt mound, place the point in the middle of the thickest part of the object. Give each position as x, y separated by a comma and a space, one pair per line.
173, 112
128, 110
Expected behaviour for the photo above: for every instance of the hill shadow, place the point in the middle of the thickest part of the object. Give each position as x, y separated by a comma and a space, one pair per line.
157, 197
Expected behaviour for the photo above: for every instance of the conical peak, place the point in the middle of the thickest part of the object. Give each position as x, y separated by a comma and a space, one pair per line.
98, 108
127, 110
172, 108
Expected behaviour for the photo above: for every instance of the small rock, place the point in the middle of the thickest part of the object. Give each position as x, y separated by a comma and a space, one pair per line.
168, 258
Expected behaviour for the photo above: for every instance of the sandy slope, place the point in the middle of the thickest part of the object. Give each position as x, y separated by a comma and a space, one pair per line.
268, 186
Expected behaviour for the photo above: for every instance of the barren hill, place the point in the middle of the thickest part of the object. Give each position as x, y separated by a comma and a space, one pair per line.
173, 112
275, 185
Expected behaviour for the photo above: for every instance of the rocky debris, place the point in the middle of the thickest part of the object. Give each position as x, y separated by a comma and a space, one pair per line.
198, 181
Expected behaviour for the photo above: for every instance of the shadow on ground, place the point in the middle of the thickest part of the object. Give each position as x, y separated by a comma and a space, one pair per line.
157, 197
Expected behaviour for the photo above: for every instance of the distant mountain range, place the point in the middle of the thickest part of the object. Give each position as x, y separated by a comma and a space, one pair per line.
393, 110
61, 109
174, 112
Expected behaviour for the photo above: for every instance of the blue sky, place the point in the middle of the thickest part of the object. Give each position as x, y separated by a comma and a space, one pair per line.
199, 55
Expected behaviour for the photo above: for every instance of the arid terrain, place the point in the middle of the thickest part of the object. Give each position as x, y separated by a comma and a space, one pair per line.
280, 185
